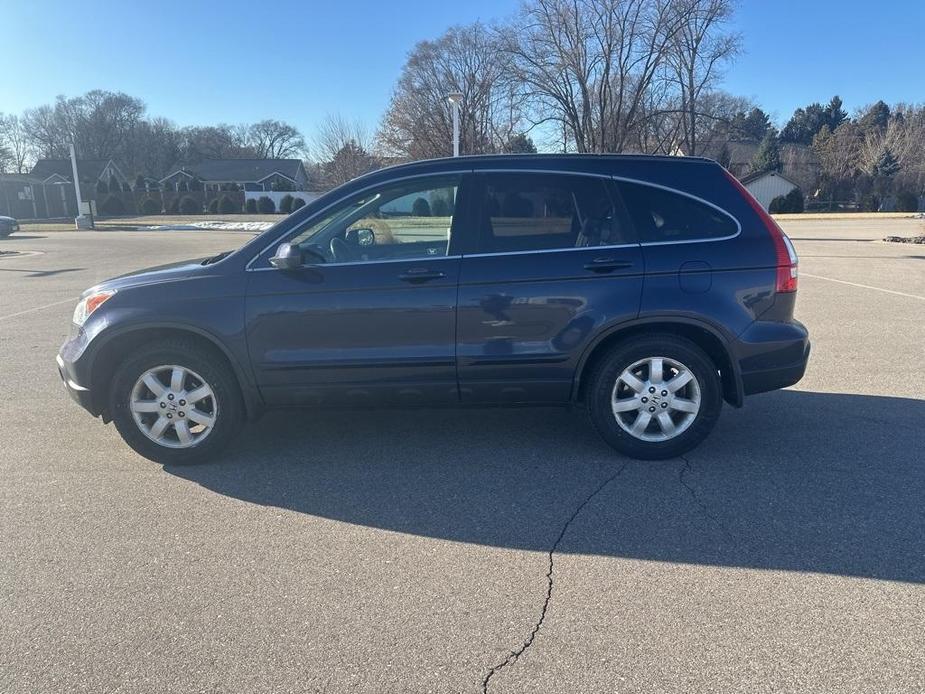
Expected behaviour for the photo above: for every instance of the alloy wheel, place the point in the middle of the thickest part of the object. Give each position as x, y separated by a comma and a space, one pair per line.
173, 406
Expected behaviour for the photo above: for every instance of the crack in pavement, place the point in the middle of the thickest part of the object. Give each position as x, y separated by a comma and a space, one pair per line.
515, 654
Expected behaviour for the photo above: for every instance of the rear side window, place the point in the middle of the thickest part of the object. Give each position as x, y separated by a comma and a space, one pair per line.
530, 212
661, 215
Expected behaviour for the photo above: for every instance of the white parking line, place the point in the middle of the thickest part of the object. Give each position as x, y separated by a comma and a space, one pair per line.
863, 286
37, 308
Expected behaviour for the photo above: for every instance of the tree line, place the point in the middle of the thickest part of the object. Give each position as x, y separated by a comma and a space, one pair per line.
590, 76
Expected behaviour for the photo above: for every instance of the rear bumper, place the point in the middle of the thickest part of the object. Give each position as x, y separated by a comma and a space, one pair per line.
772, 355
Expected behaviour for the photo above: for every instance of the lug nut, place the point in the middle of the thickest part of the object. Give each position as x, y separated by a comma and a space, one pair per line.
664, 392
644, 399
163, 405
170, 396
169, 416
651, 409
181, 413
182, 402
651, 389
664, 405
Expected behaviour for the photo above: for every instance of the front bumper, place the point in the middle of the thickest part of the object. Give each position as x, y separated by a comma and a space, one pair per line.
772, 355
79, 393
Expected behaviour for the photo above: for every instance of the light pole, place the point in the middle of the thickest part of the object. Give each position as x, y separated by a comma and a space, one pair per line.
455, 99
81, 221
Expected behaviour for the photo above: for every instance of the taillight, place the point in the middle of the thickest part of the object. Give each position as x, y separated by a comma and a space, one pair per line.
786, 256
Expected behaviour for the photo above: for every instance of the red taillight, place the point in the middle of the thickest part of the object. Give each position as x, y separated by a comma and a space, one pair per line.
787, 261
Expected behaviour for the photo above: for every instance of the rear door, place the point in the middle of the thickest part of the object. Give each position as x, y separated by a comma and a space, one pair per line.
553, 259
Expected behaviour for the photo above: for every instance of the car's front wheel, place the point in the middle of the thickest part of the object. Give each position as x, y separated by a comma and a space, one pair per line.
655, 397
175, 402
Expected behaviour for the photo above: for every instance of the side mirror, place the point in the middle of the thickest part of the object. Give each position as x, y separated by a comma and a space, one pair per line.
287, 257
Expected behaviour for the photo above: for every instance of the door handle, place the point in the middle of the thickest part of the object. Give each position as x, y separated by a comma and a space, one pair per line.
421, 274
607, 265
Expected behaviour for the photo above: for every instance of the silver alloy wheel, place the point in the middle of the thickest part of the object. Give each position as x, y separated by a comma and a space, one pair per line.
173, 406
656, 399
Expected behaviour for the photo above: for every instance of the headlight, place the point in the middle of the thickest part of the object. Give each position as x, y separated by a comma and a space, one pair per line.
89, 304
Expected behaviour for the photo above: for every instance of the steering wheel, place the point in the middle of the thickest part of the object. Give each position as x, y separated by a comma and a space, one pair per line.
342, 251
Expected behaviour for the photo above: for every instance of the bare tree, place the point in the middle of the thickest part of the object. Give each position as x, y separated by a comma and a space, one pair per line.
466, 59
273, 139
15, 140
588, 65
343, 148
220, 141
696, 54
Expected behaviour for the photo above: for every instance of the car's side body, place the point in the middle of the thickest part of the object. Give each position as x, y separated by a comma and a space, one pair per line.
7, 226
472, 326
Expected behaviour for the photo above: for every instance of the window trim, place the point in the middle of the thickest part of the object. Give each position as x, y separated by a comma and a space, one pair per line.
675, 191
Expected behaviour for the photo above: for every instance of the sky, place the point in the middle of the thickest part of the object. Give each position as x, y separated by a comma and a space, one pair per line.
199, 62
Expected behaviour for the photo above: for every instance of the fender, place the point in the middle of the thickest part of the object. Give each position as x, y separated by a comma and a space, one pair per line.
253, 401
725, 339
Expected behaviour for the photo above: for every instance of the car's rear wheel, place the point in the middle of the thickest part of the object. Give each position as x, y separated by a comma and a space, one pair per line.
655, 397
175, 402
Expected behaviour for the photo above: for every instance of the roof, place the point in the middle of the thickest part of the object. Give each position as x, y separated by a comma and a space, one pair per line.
88, 168
240, 169
751, 178
20, 178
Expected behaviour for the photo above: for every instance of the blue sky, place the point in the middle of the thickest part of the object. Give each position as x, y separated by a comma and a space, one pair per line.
202, 62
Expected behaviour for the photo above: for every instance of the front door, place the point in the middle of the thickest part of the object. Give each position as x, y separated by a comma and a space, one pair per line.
555, 260
370, 318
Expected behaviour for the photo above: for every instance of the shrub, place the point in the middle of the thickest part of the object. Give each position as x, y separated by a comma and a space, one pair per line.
195, 184
189, 205
297, 203
150, 206
777, 205
907, 201
250, 206
285, 204
265, 205
140, 185
226, 205
174, 206
420, 208
213, 205
794, 200
112, 205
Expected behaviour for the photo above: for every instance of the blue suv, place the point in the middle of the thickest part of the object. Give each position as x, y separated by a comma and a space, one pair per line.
650, 289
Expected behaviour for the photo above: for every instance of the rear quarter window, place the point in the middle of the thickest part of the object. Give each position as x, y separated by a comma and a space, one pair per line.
664, 216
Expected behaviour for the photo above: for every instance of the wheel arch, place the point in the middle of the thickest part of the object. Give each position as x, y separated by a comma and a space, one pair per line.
709, 338
112, 352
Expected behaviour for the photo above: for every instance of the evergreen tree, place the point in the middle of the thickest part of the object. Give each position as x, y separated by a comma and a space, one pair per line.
140, 183
887, 165
767, 158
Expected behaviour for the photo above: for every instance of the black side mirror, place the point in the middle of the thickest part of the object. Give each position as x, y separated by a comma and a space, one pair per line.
288, 257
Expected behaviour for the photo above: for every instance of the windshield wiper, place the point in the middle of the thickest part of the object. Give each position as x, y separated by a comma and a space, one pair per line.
216, 258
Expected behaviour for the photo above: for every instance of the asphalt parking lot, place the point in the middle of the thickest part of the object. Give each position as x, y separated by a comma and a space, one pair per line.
413, 552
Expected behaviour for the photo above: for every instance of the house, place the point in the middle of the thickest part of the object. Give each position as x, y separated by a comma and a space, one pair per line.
246, 174
25, 196
91, 172
767, 186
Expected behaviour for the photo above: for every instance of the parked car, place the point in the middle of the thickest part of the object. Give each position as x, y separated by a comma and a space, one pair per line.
650, 289
7, 226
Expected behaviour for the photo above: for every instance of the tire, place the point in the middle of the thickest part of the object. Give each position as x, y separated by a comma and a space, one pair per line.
200, 366
616, 406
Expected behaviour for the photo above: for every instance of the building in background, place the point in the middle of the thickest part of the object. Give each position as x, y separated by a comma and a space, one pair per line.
767, 186
245, 174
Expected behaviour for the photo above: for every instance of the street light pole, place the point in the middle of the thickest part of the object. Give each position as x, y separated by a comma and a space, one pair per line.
455, 99
81, 221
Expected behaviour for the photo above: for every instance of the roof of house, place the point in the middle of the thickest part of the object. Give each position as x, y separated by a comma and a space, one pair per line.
745, 180
20, 178
88, 168
240, 169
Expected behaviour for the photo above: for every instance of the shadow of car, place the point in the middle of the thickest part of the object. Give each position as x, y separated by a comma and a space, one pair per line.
833, 486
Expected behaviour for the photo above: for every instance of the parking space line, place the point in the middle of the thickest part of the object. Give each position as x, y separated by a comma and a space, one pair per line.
37, 308
863, 286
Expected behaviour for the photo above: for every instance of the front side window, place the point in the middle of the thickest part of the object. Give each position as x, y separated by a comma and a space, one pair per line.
406, 220
532, 212
663, 216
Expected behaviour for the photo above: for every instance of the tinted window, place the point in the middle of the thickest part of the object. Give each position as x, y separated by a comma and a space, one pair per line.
527, 212
411, 219
661, 215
